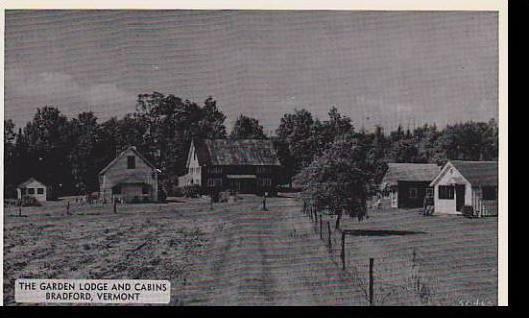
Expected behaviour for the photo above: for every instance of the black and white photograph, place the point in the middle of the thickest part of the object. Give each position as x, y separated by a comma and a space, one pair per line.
252, 157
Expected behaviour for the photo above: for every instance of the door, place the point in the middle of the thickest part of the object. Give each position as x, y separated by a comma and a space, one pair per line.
460, 197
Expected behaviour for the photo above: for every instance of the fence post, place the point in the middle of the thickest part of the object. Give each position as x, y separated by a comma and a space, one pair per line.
264, 202
20, 209
371, 263
343, 250
115, 206
321, 228
329, 230
68, 208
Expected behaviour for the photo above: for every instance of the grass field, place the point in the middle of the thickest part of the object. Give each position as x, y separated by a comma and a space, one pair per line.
420, 260
238, 254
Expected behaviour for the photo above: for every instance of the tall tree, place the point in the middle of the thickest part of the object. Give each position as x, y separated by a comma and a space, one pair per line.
338, 180
49, 141
84, 167
247, 128
10, 158
296, 133
168, 124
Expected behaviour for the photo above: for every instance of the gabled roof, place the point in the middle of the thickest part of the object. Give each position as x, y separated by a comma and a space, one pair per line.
410, 172
133, 149
28, 181
478, 173
236, 152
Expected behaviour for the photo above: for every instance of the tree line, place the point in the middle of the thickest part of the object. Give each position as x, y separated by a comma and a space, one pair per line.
67, 154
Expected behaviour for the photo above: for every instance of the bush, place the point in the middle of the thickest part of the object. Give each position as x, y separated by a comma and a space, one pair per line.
162, 195
468, 211
215, 196
191, 191
30, 201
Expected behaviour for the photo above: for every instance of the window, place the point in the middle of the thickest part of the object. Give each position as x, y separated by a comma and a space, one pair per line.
131, 162
31, 190
413, 193
40, 190
446, 192
265, 182
490, 193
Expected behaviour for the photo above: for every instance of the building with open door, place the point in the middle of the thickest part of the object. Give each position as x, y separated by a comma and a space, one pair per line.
467, 185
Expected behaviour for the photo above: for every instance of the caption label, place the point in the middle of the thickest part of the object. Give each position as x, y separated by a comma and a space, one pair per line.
110, 291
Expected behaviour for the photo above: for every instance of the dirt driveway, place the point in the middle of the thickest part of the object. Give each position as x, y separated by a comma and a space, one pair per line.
269, 258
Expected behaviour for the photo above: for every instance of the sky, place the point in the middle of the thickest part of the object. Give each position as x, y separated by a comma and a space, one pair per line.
379, 68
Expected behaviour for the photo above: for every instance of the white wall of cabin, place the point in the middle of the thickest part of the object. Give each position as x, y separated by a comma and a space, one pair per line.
448, 206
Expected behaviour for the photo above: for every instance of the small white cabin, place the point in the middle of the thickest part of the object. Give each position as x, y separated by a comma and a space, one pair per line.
467, 183
32, 188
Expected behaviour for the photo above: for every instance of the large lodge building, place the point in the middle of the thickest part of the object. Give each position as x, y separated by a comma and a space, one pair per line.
244, 166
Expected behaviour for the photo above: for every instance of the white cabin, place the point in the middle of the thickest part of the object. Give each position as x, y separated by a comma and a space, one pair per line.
473, 184
32, 188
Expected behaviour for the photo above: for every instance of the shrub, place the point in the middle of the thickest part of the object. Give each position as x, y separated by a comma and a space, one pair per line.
191, 191
162, 195
468, 211
215, 196
30, 201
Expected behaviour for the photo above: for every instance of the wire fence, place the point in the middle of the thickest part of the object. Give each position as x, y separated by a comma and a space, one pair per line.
382, 280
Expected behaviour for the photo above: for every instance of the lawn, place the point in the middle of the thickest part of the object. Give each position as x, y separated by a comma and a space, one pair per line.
436, 260
141, 241
432, 260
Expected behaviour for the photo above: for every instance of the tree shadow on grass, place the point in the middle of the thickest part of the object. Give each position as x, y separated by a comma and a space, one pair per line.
381, 232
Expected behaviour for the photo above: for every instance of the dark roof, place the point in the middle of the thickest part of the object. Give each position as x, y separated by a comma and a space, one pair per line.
223, 152
410, 172
133, 149
478, 173
28, 181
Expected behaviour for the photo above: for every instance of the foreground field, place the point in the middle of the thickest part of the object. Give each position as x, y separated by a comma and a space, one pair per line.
423, 260
238, 254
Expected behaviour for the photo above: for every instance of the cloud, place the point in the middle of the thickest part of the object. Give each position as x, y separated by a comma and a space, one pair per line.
68, 94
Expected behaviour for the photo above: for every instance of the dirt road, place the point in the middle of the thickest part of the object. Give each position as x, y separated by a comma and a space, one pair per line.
269, 258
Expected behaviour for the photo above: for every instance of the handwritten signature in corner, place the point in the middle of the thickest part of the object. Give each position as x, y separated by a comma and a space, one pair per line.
476, 302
